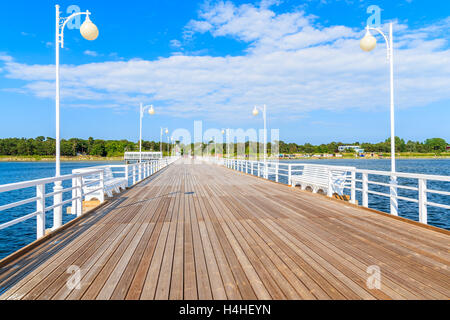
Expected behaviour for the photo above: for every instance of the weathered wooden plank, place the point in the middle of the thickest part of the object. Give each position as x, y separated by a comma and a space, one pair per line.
202, 231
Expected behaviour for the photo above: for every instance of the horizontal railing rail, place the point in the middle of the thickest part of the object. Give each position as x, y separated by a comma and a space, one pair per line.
415, 187
84, 182
40, 199
135, 156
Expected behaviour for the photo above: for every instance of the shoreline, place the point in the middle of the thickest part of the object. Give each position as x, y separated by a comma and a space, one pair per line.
120, 159
63, 159
384, 158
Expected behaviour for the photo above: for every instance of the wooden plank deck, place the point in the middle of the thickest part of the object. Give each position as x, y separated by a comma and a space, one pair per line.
199, 231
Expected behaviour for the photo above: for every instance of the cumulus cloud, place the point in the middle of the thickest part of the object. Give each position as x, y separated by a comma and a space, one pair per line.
91, 53
175, 43
5, 57
291, 63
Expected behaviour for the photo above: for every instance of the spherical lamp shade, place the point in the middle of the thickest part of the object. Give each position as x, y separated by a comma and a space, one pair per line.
88, 30
223, 131
368, 43
167, 131
255, 112
151, 111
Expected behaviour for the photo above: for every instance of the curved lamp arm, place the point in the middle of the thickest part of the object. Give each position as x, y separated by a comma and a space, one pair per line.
388, 46
64, 21
145, 108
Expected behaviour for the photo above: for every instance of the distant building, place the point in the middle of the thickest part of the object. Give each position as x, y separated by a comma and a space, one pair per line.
357, 149
447, 148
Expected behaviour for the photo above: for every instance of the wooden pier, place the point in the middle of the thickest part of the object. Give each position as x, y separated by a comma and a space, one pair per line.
201, 231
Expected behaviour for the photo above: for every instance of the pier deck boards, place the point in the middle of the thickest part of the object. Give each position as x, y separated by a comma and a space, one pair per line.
206, 232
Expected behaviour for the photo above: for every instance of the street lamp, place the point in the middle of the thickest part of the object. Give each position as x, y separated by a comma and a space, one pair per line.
89, 31
256, 113
168, 144
161, 138
368, 43
224, 141
151, 111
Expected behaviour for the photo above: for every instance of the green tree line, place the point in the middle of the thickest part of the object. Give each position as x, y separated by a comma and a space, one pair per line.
434, 145
42, 146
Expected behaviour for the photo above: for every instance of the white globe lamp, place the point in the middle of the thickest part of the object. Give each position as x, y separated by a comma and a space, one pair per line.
368, 43
88, 30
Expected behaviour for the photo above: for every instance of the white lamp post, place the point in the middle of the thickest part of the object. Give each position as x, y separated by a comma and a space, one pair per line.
223, 139
90, 32
168, 146
227, 151
368, 43
161, 138
256, 113
151, 111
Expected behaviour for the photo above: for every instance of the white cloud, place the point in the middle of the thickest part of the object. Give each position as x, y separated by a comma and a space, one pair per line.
5, 57
292, 64
175, 43
91, 53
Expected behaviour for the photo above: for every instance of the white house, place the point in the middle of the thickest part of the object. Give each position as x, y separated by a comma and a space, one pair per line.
357, 149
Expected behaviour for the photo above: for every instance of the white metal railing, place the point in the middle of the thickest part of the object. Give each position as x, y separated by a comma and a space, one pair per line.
81, 179
135, 156
418, 188
40, 198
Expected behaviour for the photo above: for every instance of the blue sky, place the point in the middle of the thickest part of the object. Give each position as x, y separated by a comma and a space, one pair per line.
212, 61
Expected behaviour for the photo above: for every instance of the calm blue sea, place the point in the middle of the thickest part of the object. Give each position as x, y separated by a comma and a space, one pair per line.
18, 236
436, 216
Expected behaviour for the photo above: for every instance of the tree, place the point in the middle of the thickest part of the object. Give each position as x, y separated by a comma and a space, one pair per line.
435, 145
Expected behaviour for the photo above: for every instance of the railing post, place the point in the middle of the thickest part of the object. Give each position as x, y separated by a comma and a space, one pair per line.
74, 195
127, 174
266, 170
40, 208
102, 187
290, 174
134, 174
365, 188
259, 170
252, 168
393, 196
353, 187
57, 211
277, 168
140, 171
423, 201
79, 193
330, 183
